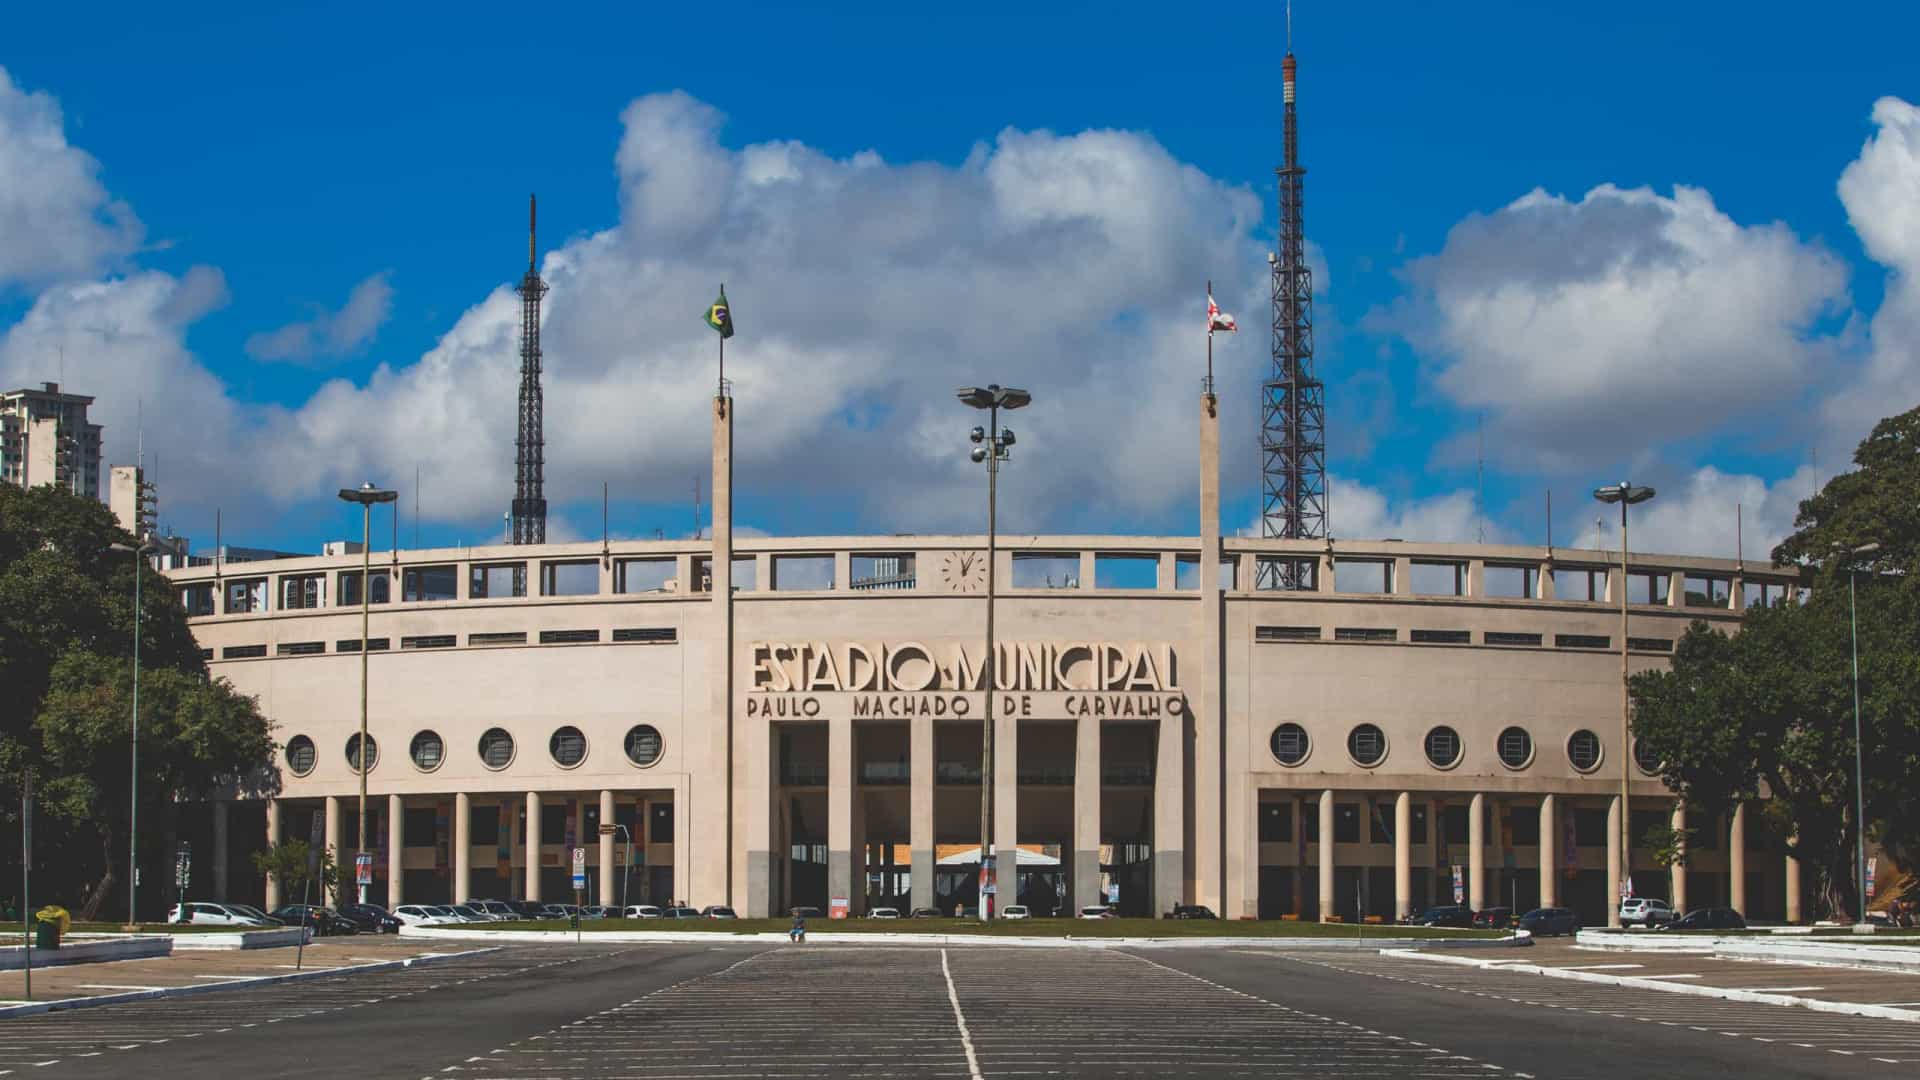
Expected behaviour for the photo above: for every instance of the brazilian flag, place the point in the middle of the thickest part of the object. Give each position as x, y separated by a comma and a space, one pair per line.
720, 316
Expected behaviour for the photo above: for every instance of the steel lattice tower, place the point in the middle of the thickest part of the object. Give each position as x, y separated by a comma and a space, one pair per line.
1293, 405
530, 445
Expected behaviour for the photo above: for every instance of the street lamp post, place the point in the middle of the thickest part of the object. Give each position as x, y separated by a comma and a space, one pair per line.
1859, 769
1626, 495
139, 551
366, 495
992, 447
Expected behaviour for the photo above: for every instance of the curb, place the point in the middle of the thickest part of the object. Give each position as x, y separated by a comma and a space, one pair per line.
643, 937
234, 984
1798, 951
88, 951
1845, 1008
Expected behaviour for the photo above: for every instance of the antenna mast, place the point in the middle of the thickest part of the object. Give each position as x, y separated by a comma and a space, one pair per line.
1293, 403
530, 445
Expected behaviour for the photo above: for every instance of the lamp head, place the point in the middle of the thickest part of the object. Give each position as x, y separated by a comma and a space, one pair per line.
1013, 398
976, 396
978, 434
1006, 437
978, 454
367, 495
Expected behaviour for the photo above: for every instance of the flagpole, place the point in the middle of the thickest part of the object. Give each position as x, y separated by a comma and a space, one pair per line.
723, 347
1209, 336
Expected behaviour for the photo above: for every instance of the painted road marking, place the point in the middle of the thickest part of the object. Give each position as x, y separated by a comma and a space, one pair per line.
960, 1018
1597, 967
1666, 976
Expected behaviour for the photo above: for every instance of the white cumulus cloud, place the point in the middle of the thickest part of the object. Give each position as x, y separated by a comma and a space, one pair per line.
57, 221
330, 333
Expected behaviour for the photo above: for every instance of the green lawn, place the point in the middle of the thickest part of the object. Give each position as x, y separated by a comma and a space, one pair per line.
1156, 928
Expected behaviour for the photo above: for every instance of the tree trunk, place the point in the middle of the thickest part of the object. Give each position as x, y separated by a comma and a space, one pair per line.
95, 896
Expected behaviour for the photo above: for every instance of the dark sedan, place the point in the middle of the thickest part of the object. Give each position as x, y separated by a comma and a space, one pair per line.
1493, 918
371, 918
1191, 911
1445, 915
1707, 918
1550, 921
325, 922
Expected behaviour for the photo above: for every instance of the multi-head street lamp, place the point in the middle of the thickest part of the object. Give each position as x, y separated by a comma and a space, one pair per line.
367, 496
991, 446
1625, 495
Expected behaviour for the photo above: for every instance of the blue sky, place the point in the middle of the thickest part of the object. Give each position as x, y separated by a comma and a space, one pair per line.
276, 160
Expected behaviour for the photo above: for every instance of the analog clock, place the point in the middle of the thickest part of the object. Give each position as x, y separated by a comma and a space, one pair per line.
964, 571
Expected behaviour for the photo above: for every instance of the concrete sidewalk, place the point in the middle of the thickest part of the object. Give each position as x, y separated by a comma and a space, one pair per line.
1825, 988
201, 971
825, 935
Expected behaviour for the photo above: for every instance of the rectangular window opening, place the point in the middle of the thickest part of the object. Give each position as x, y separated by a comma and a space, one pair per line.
1648, 587
574, 578
197, 599
352, 645
1365, 633
644, 575
890, 570
1438, 578
1045, 570
1122, 571
1286, 633
646, 635
569, 637
299, 648
1579, 583
246, 595
1650, 644
431, 583
242, 652
1443, 637
1510, 637
1704, 590
348, 588
428, 641
502, 637
1581, 641
496, 581
802, 573
1286, 573
1365, 576
1506, 582
301, 591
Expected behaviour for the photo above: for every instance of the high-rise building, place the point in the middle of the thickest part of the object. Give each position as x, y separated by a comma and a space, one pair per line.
45, 439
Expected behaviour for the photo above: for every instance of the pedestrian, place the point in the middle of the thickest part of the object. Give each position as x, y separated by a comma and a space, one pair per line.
799, 930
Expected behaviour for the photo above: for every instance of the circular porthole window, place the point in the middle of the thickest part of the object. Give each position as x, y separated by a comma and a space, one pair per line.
1583, 750
1643, 756
300, 755
496, 748
643, 745
1289, 744
1443, 747
568, 747
427, 751
1516, 748
353, 752
1367, 745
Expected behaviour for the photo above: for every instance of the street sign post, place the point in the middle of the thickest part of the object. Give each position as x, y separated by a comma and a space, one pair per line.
579, 887
1459, 885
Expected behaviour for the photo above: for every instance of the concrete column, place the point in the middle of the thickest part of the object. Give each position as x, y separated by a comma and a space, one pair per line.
1737, 859
1678, 872
462, 847
1616, 866
920, 839
396, 839
219, 808
1205, 685
682, 841
1549, 854
1793, 889
1086, 812
333, 846
716, 862
609, 872
1402, 855
1006, 808
273, 840
1326, 855
532, 846
1477, 852
1169, 812
839, 808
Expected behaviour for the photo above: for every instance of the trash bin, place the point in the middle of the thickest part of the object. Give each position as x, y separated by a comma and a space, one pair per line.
46, 935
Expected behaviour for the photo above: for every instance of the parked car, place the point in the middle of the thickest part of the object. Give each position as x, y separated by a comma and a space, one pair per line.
805, 912
419, 915
1708, 918
598, 911
1191, 911
249, 909
921, 913
883, 913
680, 912
371, 918
1016, 911
1549, 921
640, 911
208, 913
530, 909
1493, 918
1099, 911
325, 922
718, 911
1645, 911
561, 911
1445, 915
500, 910
469, 913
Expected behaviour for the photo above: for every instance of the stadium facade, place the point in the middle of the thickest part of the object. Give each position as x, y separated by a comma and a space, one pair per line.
772, 722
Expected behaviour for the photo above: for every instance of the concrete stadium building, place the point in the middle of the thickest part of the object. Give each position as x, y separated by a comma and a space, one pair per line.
778, 722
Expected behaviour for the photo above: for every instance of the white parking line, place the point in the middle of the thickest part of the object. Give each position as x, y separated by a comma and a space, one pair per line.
1668, 976
1597, 967
112, 986
960, 1018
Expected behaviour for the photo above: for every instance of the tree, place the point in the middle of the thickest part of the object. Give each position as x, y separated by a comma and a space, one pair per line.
1769, 711
294, 863
66, 641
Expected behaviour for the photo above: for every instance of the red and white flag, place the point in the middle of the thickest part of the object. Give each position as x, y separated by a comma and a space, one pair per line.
1219, 320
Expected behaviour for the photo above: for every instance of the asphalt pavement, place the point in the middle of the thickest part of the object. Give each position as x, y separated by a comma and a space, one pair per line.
721, 1011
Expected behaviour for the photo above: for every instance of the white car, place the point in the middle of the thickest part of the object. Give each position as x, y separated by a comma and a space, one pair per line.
469, 913
884, 913
1016, 911
419, 915
1095, 913
640, 911
205, 913
1645, 911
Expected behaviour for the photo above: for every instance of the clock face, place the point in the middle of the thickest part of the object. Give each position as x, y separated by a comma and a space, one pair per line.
964, 571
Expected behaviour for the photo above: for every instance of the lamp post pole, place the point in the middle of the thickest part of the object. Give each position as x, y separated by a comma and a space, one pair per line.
1626, 495
366, 495
1859, 756
133, 770
992, 445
